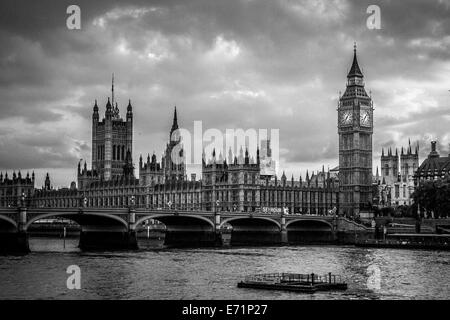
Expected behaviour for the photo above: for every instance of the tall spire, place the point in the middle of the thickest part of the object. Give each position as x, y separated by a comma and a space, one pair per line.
355, 71
175, 121
112, 90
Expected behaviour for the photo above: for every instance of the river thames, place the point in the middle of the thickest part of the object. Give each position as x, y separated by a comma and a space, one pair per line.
206, 273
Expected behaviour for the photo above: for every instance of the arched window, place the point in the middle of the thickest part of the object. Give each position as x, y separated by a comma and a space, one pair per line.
114, 152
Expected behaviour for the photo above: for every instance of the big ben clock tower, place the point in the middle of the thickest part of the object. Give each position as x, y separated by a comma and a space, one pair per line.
355, 129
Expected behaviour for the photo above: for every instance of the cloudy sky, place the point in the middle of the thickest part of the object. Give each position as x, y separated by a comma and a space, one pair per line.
231, 64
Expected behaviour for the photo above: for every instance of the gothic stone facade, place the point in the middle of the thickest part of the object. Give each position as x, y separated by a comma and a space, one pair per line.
396, 184
14, 189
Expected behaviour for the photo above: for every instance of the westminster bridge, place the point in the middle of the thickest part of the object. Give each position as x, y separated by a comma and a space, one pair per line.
116, 228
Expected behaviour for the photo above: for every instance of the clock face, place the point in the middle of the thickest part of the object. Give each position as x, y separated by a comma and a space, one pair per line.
364, 118
346, 117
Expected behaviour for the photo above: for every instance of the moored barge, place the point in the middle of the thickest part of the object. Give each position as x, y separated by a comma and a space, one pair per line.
409, 241
307, 283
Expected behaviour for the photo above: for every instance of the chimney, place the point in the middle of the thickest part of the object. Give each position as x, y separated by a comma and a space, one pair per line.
433, 153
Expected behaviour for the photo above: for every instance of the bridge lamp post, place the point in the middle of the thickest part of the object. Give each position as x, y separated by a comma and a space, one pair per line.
22, 200
169, 203
131, 212
217, 204
216, 217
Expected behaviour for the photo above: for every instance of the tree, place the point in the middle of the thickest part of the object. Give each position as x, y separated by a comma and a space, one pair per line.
434, 196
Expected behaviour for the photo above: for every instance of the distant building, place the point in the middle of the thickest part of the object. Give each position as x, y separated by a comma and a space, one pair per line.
235, 186
112, 140
396, 184
434, 167
172, 166
14, 190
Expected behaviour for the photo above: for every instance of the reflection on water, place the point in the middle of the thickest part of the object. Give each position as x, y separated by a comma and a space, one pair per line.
57, 244
213, 273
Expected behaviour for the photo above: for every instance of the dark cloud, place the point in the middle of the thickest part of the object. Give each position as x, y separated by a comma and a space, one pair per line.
232, 64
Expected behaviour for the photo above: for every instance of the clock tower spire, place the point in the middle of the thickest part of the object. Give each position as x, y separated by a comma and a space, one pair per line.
355, 129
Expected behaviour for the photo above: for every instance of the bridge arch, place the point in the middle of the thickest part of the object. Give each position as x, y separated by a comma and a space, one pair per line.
79, 217
165, 219
309, 222
8, 222
272, 221
248, 230
311, 231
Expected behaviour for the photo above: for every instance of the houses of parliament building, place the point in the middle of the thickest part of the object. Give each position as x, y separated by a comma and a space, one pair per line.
235, 184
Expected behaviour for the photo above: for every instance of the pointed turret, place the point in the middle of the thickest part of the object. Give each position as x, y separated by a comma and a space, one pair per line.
257, 156
355, 70
128, 169
174, 122
47, 182
241, 156
129, 107
230, 156
95, 107
108, 112
246, 156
